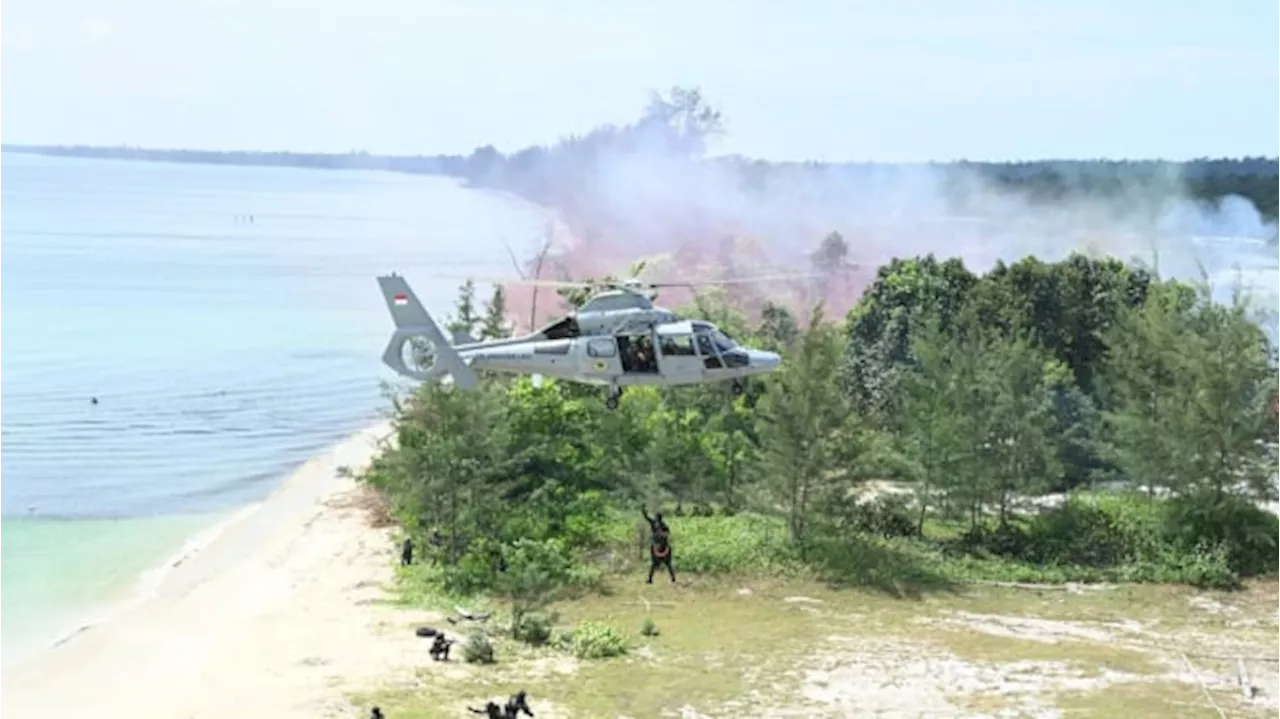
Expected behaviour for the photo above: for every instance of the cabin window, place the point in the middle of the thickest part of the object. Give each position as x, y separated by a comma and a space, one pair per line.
677, 345
602, 348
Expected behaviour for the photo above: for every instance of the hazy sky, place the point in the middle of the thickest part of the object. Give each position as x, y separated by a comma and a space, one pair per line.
806, 79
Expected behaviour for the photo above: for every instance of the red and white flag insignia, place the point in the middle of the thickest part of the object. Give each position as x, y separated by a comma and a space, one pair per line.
402, 300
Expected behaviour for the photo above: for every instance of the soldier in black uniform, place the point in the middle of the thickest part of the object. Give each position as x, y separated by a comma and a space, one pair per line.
659, 544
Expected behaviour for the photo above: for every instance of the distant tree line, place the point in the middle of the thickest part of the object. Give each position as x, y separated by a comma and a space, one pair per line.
679, 126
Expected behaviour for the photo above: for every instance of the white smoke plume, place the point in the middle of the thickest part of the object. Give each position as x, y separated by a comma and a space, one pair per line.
697, 219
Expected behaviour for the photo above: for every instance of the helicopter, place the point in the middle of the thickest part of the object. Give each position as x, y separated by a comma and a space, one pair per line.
663, 351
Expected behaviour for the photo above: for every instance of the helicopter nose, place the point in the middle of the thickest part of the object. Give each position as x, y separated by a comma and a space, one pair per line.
762, 360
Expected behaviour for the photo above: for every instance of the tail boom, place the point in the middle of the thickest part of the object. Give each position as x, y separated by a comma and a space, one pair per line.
413, 320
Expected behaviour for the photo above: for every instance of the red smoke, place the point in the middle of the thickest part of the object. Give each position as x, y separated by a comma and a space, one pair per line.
693, 252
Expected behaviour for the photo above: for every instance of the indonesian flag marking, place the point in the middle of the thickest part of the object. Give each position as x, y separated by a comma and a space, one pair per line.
401, 300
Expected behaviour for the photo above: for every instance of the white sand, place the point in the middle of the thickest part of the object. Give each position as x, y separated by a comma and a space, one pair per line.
276, 616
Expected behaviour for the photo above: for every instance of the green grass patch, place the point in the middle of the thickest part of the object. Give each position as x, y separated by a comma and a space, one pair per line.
714, 645
1145, 700
721, 638
726, 629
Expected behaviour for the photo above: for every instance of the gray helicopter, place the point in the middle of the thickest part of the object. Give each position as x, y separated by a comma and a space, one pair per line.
619, 352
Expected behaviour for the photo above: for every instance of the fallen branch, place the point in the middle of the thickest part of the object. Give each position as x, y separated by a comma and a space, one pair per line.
1070, 586
1233, 658
473, 616
648, 604
1242, 673
1203, 687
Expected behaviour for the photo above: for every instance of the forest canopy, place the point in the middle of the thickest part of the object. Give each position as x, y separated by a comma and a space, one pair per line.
1078, 420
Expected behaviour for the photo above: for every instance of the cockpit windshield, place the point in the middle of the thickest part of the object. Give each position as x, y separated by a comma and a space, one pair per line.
723, 343
709, 332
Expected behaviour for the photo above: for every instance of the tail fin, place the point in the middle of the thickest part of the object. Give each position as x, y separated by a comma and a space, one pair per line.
412, 320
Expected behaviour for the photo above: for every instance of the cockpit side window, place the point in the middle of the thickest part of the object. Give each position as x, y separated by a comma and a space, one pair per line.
677, 345
704, 345
602, 347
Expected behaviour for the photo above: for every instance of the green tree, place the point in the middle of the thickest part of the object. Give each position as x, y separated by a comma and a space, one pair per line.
534, 572
1147, 406
729, 444
1021, 444
682, 119
466, 318
936, 438
1228, 367
494, 325
554, 438
450, 467
878, 351
778, 329
799, 421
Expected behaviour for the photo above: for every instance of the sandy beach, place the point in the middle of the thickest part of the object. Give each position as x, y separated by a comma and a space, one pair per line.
275, 616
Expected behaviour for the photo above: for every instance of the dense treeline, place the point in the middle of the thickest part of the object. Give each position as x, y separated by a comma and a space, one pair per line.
974, 394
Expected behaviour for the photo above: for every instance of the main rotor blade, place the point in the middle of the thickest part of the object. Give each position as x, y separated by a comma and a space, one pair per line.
637, 284
739, 280
519, 281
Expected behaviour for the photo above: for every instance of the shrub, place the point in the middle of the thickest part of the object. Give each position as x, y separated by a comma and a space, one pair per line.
476, 570
886, 516
1205, 541
592, 640
1092, 533
732, 545
1243, 534
648, 628
534, 629
562, 639
478, 649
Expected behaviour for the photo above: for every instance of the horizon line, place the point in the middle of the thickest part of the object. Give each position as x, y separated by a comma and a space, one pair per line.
36, 148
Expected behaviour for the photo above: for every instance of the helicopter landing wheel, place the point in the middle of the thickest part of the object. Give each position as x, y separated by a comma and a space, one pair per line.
737, 388
611, 402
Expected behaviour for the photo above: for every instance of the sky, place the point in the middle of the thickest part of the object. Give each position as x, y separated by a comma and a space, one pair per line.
827, 80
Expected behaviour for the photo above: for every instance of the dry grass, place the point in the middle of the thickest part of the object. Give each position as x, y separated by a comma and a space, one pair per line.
777, 649
371, 502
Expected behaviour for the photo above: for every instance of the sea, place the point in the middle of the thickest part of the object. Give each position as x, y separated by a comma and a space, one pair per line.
228, 323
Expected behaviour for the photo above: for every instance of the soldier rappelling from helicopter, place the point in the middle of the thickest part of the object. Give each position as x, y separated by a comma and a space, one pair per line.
659, 544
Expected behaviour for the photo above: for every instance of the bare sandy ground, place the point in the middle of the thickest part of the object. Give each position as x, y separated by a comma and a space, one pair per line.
275, 617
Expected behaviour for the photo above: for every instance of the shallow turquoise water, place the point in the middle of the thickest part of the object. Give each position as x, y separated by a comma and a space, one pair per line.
223, 352
54, 570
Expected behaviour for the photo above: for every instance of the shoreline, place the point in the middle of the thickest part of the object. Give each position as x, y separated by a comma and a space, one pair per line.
146, 586
142, 588
201, 635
